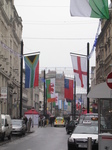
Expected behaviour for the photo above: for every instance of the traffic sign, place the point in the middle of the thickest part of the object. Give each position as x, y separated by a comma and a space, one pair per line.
109, 80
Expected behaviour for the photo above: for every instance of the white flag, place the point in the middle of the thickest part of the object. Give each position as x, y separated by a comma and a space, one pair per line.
80, 70
56, 99
59, 104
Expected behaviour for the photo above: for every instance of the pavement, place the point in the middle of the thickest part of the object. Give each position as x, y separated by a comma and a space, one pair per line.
33, 129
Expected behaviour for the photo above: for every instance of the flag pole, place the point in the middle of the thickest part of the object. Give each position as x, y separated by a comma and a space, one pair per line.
44, 96
74, 98
21, 78
87, 77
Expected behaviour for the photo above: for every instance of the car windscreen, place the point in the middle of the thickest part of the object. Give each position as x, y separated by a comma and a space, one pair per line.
16, 122
59, 118
86, 129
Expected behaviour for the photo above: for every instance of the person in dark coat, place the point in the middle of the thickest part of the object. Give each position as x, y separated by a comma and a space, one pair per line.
52, 120
25, 120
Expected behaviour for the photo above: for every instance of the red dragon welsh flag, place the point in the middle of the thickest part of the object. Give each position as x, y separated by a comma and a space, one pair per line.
50, 84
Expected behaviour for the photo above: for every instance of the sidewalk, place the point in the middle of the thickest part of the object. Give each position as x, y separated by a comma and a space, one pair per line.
32, 129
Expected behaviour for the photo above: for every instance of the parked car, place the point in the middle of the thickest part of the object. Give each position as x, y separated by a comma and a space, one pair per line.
59, 121
70, 126
6, 127
18, 127
79, 137
93, 118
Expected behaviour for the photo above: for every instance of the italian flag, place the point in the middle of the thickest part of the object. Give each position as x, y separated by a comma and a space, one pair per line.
89, 8
50, 91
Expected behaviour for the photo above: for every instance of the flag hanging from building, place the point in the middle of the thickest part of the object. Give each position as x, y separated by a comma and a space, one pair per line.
31, 71
59, 104
65, 104
56, 100
79, 64
68, 100
89, 8
68, 89
78, 105
50, 84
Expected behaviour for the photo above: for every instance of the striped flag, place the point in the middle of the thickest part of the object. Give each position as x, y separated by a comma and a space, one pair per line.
89, 8
31, 71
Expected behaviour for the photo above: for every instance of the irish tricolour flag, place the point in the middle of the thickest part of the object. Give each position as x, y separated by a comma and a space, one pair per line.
89, 8
50, 84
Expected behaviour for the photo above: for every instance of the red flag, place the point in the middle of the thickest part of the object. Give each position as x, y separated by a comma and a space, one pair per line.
68, 91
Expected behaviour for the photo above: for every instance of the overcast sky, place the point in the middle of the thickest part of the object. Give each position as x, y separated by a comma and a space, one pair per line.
49, 28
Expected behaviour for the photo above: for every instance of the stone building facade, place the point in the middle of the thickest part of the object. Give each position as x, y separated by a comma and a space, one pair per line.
104, 50
10, 48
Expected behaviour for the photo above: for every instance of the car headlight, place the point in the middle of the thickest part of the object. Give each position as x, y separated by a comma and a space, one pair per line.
71, 139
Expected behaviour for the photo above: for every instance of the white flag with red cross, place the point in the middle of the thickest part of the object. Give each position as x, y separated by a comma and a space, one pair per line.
79, 64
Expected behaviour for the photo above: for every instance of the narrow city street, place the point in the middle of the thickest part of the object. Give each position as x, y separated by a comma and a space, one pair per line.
47, 138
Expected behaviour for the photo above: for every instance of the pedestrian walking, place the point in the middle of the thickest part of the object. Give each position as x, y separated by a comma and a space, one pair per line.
41, 122
38, 121
51, 121
25, 120
29, 124
30, 121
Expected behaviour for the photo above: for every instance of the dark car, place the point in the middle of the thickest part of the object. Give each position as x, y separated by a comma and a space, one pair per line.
18, 127
79, 137
71, 126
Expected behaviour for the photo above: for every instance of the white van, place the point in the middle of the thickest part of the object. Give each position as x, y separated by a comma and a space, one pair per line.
6, 127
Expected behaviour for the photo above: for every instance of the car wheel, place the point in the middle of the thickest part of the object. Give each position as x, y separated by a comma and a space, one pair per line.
71, 148
9, 137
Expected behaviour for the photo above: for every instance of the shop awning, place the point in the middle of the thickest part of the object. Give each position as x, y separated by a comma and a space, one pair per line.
101, 91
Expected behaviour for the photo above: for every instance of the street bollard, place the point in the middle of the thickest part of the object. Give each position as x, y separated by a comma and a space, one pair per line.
89, 144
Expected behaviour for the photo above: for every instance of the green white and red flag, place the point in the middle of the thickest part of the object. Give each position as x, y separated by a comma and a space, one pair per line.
50, 91
89, 8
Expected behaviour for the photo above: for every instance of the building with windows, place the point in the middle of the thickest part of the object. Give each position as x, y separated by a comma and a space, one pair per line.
10, 49
104, 50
